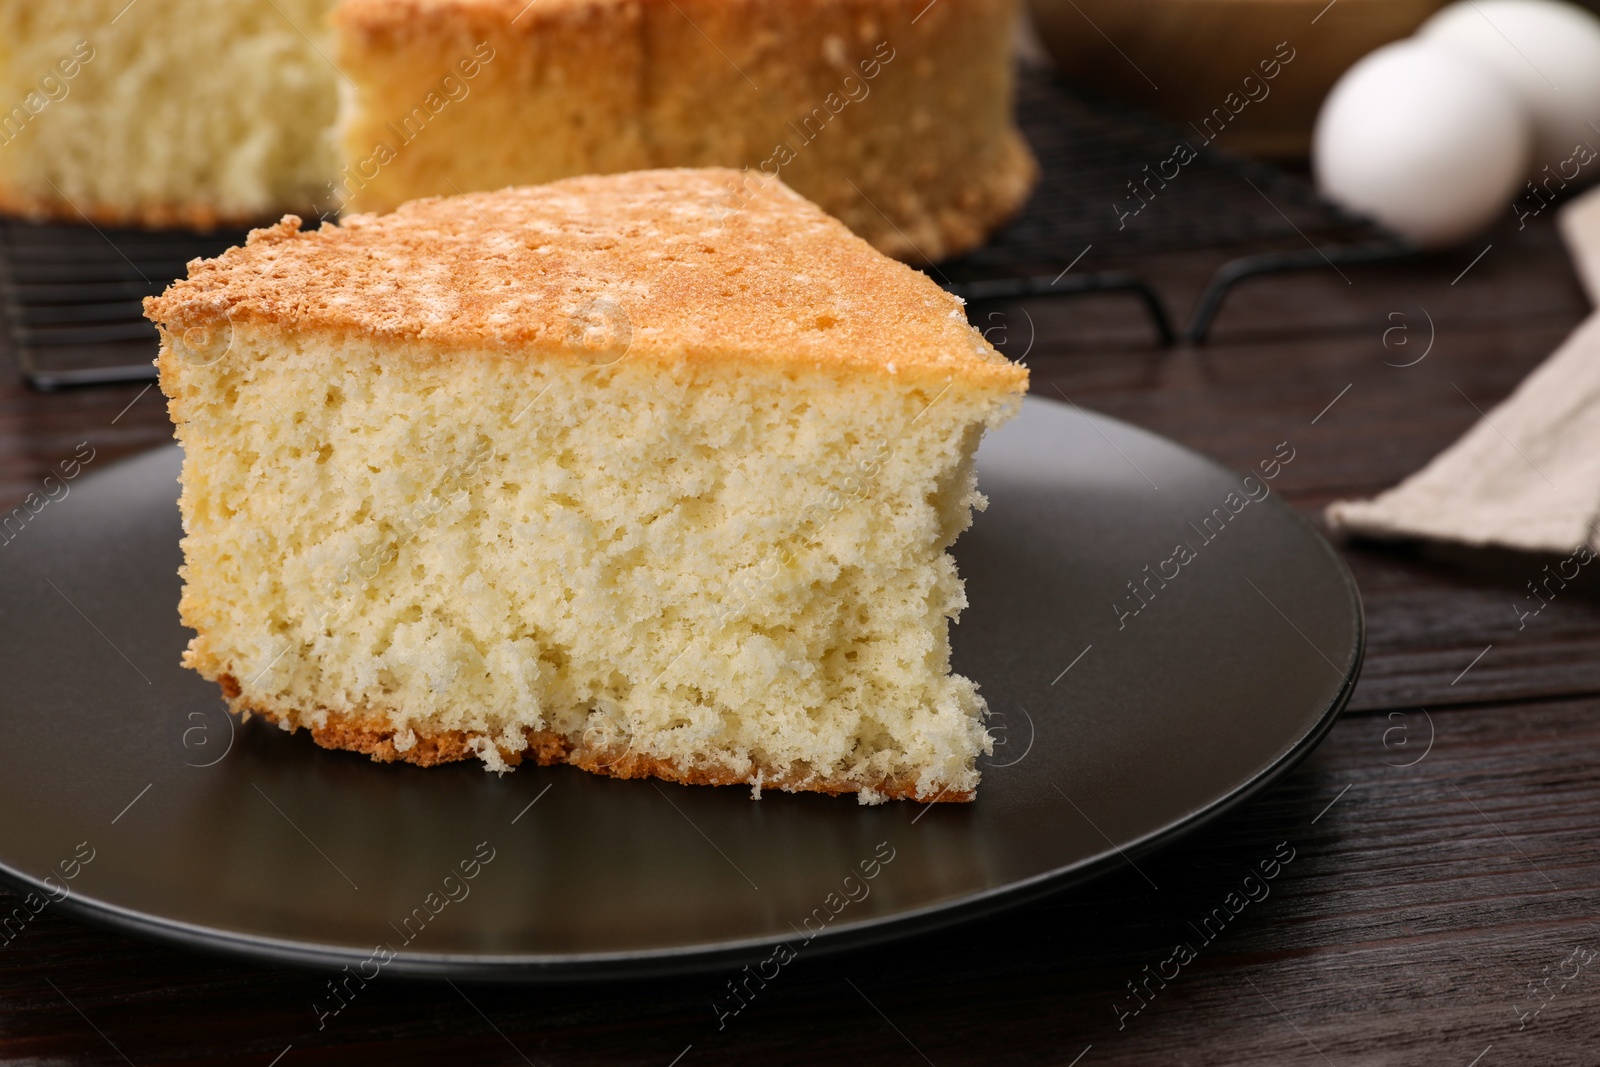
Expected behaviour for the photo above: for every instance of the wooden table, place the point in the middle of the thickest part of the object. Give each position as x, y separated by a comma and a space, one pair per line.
1447, 859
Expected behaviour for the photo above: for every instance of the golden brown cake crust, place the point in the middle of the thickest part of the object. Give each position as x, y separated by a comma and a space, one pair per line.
374, 736
651, 259
893, 115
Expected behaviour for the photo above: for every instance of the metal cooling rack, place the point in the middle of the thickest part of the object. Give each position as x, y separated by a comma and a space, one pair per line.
1089, 149
72, 297
71, 294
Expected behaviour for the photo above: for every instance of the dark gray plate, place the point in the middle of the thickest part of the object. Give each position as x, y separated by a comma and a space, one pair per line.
1118, 734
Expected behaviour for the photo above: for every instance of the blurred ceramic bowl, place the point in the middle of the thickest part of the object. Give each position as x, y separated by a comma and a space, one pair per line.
1189, 59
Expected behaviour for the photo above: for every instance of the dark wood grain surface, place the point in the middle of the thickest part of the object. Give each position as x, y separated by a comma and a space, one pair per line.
1427, 911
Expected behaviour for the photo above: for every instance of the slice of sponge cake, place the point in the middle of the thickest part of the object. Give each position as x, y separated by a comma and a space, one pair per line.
589, 472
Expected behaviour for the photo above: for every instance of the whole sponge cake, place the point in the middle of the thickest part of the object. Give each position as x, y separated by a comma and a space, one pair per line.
165, 112
892, 115
587, 472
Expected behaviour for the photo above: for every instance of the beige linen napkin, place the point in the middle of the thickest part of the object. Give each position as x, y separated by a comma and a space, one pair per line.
1527, 476
1580, 227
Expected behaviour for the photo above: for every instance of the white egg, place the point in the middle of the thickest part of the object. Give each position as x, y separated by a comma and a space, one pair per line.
1548, 53
1421, 139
